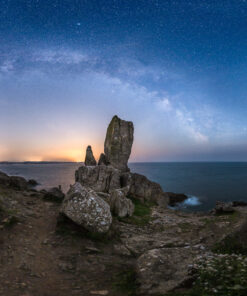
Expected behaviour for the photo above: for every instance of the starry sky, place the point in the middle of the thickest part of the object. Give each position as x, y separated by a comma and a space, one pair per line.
177, 69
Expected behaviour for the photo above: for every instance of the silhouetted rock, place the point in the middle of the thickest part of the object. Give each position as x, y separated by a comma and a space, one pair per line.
118, 143
89, 159
33, 182
237, 203
175, 198
4, 179
102, 159
83, 206
18, 183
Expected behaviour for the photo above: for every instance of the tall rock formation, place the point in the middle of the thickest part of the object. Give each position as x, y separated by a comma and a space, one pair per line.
118, 143
89, 159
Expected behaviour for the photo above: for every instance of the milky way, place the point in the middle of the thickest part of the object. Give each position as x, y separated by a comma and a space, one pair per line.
177, 69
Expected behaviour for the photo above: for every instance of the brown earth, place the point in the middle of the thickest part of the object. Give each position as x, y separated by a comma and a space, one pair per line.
41, 257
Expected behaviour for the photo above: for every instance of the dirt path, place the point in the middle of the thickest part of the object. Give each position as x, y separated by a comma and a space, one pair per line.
38, 261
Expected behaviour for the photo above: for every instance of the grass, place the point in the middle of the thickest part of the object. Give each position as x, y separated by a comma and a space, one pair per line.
142, 213
125, 282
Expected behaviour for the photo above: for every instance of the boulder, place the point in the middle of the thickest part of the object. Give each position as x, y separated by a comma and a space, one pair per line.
118, 143
175, 198
99, 178
145, 190
4, 179
89, 159
239, 203
84, 207
223, 208
18, 183
102, 159
160, 271
54, 194
120, 205
32, 183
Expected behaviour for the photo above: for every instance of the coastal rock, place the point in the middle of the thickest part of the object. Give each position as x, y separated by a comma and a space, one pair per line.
175, 198
120, 205
84, 207
160, 271
223, 207
100, 178
240, 203
54, 194
146, 190
89, 159
118, 143
4, 179
32, 183
102, 159
18, 183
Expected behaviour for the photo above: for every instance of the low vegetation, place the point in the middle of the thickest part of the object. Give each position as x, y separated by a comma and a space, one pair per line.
125, 282
142, 213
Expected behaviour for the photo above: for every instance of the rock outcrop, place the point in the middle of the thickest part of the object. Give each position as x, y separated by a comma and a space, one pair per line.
118, 143
89, 159
84, 207
102, 160
160, 271
111, 181
175, 198
99, 178
120, 205
146, 190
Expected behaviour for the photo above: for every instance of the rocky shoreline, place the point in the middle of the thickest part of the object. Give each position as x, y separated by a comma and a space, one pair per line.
111, 234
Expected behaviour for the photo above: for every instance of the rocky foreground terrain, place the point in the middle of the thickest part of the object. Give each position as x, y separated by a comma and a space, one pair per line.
111, 234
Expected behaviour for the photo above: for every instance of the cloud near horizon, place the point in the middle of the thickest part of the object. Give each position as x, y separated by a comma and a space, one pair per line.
60, 100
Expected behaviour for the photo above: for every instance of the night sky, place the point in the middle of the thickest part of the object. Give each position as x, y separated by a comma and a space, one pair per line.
177, 69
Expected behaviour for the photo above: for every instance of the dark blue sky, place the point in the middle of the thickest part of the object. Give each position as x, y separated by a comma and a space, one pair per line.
176, 68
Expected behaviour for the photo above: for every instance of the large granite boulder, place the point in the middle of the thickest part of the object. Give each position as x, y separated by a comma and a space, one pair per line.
145, 190
89, 159
83, 206
118, 143
160, 271
99, 178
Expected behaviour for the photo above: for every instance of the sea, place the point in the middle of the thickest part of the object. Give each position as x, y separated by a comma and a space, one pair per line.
203, 182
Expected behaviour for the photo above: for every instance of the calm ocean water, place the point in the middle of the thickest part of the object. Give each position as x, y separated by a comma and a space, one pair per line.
205, 183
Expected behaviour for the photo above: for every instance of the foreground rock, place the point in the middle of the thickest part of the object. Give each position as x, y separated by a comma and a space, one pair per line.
118, 143
160, 271
89, 159
84, 207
